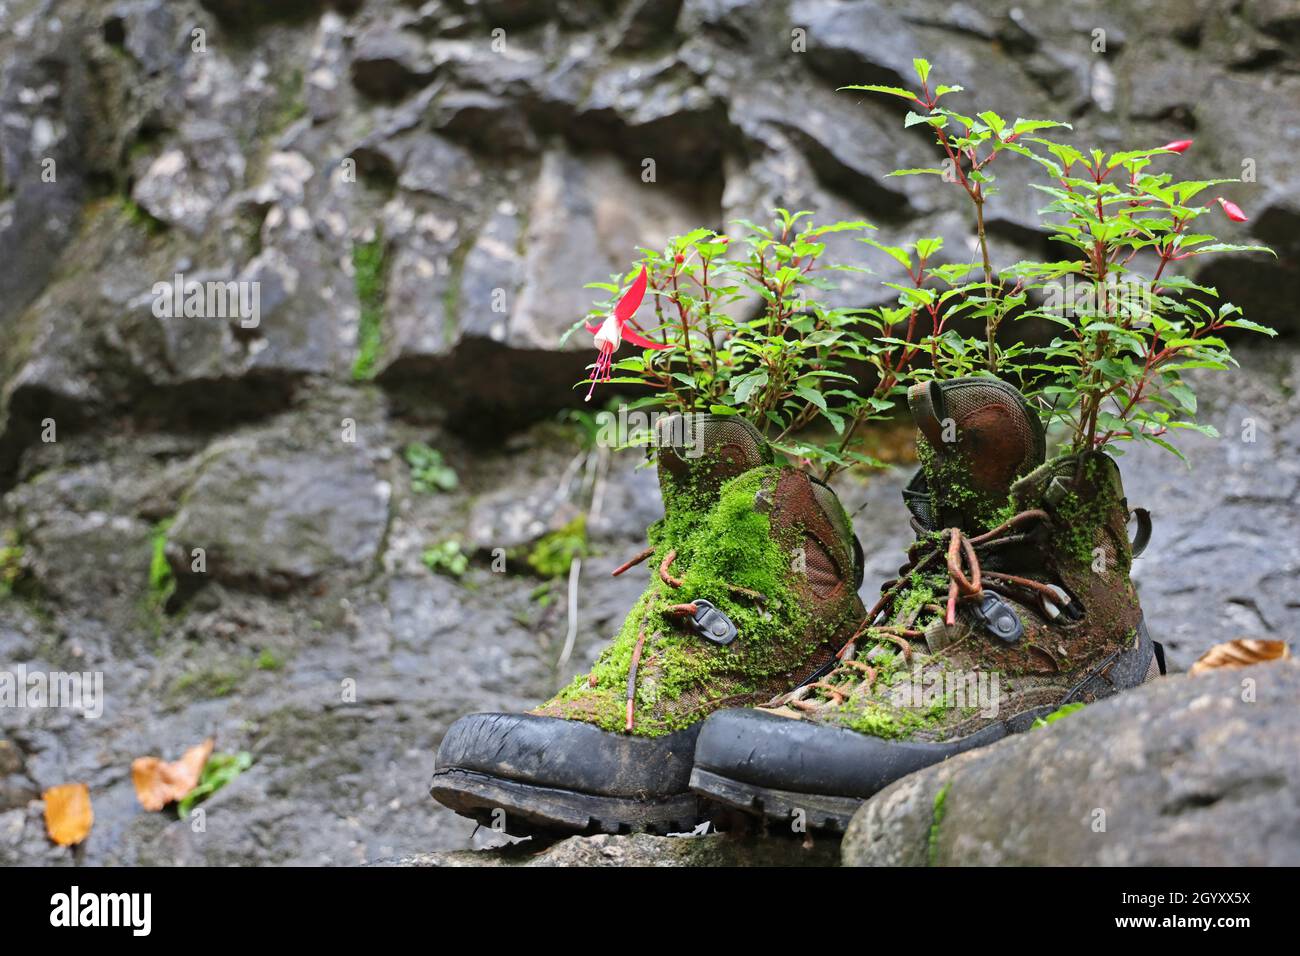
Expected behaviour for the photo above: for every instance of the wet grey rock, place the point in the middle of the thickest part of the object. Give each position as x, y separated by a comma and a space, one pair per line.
582, 210
77, 556
249, 14
638, 850
1188, 771
274, 518
432, 165
326, 91
43, 100
647, 23
1220, 564
16, 790
491, 276
388, 64
148, 31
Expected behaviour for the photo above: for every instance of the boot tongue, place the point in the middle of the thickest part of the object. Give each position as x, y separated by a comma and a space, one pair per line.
976, 436
698, 453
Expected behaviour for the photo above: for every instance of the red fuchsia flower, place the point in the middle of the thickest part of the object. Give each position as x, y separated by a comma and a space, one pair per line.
611, 333
1232, 210
1178, 145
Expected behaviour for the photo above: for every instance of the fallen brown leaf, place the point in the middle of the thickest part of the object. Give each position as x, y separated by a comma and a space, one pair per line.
68, 813
1240, 653
158, 783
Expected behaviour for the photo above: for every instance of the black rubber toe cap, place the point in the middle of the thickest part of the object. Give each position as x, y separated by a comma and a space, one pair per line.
569, 754
781, 753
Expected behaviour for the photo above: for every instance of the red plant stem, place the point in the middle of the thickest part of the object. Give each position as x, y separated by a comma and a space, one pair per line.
686, 330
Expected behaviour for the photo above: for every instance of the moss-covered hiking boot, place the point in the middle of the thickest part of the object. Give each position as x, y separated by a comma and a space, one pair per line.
1023, 609
755, 571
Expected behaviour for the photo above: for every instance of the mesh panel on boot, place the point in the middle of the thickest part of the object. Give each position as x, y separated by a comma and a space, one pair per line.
1006, 435
917, 498
823, 576
706, 450
977, 435
1153, 670
830, 504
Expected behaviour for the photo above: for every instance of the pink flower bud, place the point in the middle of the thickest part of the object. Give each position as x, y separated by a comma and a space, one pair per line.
1177, 146
1232, 210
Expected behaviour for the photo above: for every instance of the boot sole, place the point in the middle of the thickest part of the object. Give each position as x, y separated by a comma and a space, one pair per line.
743, 757
529, 775
524, 809
822, 812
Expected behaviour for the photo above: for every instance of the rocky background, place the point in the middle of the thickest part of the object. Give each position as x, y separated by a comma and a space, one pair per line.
421, 191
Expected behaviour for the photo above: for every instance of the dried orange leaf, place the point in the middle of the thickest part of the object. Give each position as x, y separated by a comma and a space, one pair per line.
68, 813
1240, 653
158, 783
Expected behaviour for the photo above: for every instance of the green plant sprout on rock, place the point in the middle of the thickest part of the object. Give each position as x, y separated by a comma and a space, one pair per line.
11, 562
553, 553
936, 821
162, 581
368, 267
220, 770
446, 558
429, 472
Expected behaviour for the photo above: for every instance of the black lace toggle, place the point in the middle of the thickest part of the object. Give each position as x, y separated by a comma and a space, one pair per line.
998, 618
712, 625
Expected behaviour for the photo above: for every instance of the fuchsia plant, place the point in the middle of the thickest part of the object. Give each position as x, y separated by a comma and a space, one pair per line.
744, 328
1129, 331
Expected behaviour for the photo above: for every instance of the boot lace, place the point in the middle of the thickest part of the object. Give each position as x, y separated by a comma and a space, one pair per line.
959, 556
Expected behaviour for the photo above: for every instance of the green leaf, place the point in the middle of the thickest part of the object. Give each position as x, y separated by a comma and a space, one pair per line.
217, 772
1022, 126
994, 122
1228, 247
1250, 326
1157, 440
922, 67
896, 252
1209, 431
925, 248
747, 385
916, 119
810, 394
1183, 395
891, 90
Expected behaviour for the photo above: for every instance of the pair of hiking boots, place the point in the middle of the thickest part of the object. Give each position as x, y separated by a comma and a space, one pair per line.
750, 676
